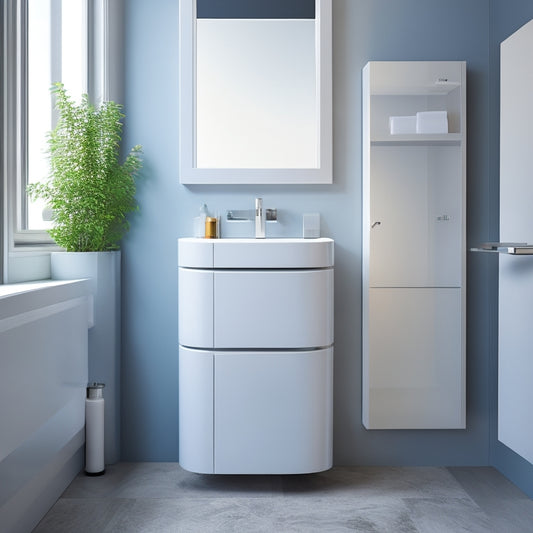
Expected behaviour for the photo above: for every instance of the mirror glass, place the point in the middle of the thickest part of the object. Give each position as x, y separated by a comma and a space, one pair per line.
255, 91
256, 94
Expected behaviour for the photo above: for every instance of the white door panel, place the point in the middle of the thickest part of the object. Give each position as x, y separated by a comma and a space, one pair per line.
273, 412
415, 374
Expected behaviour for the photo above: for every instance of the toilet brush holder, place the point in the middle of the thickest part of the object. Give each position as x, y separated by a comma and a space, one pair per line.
94, 430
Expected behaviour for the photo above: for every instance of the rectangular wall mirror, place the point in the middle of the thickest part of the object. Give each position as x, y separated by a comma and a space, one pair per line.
255, 91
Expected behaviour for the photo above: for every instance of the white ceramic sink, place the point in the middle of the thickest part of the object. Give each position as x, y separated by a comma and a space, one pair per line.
255, 253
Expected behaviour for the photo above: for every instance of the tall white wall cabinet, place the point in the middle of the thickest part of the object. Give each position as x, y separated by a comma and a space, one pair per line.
414, 245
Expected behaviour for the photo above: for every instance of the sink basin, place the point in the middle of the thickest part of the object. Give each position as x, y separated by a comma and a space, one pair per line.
255, 253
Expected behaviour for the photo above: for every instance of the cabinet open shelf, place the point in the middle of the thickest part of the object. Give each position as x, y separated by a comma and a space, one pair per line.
419, 139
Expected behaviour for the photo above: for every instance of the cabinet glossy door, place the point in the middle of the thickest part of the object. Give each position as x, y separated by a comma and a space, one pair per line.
414, 247
416, 216
414, 373
255, 412
273, 412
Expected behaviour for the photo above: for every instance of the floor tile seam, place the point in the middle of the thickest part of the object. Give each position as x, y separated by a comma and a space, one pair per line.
467, 490
347, 496
479, 512
93, 499
490, 503
177, 495
451, 501
485, 500
208, 494
497, 499
167, 498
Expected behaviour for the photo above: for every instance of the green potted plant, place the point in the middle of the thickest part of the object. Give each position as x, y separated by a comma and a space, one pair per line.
90, 193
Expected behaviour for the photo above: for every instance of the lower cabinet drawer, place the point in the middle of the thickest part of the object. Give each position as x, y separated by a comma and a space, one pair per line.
272, 412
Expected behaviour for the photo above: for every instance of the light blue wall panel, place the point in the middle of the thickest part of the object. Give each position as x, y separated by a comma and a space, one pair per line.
363, 30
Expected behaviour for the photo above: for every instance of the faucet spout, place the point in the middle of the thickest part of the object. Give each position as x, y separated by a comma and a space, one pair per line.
260, 219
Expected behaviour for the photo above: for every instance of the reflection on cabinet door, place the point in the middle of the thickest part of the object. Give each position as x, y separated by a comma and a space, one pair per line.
414, 376
416, 216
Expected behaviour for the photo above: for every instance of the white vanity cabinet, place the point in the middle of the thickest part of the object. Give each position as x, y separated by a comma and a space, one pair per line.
256, 355
414, 248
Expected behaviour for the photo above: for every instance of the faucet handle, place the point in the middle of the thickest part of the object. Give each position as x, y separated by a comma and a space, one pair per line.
271, 214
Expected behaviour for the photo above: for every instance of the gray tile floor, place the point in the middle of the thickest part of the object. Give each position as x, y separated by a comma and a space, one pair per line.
162, 497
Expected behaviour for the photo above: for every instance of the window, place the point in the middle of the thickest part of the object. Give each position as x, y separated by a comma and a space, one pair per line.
43, 42
56, 44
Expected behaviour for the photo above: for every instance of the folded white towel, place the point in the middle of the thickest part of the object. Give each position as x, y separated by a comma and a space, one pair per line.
432, 122
402, 125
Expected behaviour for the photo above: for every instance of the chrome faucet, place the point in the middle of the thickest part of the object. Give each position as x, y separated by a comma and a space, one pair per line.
260, 219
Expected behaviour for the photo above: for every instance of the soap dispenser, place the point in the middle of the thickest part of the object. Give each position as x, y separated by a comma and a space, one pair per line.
199, 222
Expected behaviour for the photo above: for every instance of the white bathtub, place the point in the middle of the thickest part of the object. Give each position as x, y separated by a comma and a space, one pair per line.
43, 376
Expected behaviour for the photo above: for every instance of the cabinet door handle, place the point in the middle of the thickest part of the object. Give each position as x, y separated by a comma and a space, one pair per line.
377, 223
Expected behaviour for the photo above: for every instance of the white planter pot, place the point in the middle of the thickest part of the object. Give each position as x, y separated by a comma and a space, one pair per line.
103, 269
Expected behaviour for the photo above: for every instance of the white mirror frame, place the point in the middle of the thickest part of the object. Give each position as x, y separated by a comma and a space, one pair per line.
190, 174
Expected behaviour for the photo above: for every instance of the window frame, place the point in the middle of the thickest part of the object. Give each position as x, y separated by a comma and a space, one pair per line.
104, 53
20, 235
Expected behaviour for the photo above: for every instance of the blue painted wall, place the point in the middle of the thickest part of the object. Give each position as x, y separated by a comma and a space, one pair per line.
363, 30
507, 16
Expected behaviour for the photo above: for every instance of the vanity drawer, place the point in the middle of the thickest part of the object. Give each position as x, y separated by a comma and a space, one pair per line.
256, 308
273, 308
